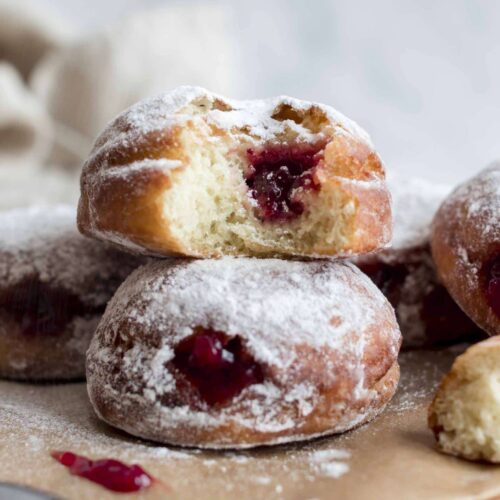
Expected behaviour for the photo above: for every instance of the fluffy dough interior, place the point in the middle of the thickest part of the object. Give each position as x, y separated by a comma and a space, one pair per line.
210, 208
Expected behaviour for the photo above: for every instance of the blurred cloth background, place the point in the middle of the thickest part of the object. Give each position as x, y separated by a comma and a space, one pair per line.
422, 78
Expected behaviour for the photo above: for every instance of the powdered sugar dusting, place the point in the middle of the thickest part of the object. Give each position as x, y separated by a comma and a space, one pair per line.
481, 200
171, 108
44, 242
329, 310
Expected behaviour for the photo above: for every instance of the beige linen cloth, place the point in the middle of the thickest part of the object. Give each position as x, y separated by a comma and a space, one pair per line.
89, 82
58, 88
27, 32
25, 127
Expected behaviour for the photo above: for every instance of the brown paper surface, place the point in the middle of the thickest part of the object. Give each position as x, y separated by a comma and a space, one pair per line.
391, 458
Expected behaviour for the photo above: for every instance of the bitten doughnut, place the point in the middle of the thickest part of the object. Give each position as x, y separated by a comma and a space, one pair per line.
465, 414
466, 247
235, 353
406, 273
54, 286
193, 173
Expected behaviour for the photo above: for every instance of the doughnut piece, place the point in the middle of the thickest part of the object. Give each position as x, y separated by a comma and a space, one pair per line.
193, 173
466, 247
465, 414
236, 353
54, 286
406, 273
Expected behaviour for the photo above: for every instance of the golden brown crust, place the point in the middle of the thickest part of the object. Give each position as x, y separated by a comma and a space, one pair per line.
465, 239
449, 414
123, 203
121, 411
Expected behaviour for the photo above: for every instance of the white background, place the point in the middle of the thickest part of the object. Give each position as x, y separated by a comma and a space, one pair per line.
422, 76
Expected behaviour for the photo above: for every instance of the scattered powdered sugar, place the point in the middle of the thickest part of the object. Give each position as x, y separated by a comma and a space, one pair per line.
44, 242
326, 316
68, 423
421, 373
35, 420
330, 462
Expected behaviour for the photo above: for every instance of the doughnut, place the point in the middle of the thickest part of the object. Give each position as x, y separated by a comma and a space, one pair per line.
466, 247
465, 413
406, 273
54, 286
191, 173
242, 352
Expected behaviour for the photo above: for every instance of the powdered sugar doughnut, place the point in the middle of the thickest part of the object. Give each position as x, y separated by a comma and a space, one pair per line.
243, 352
193, 173
406, 273
54, 286
466, 247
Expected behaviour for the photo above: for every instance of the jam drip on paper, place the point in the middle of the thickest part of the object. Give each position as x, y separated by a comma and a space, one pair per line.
109, 473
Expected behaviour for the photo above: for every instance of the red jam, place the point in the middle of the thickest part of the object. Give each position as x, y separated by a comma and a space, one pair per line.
388, 278
39, 308
111, 474
276, 176
444, 321
217, 365
493, 288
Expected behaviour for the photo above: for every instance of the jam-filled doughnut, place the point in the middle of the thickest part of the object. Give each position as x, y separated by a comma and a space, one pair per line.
466, 247
193, 173
406, 273
464, 415
54, 286
243, 352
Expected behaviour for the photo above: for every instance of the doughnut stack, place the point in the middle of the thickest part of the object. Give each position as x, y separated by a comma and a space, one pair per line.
217, 278
245, 328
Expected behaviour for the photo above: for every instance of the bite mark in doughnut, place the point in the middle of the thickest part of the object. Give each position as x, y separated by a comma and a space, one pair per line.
217, 365
194, 174
278, 174
493, 290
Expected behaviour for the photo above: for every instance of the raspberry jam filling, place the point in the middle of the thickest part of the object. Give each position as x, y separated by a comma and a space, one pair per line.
39, 308
388, 278
109, 473
217, 365
278, 174
444, 321
493, 287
